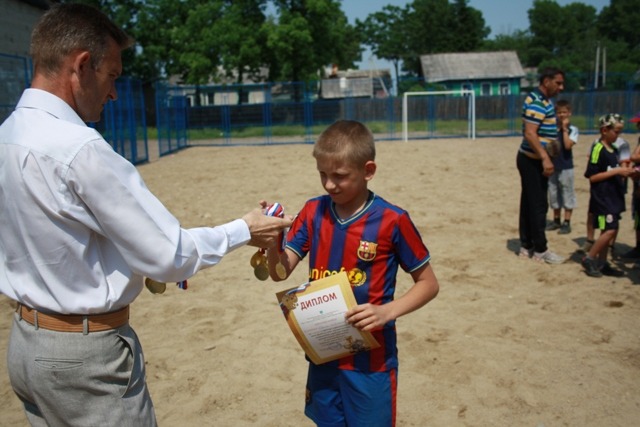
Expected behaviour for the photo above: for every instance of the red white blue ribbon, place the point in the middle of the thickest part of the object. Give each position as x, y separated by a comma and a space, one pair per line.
277, 209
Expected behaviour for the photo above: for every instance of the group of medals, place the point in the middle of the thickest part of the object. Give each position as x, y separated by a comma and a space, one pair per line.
259, 260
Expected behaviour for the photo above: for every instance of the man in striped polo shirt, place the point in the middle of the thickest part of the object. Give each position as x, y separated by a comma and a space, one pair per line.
535, 164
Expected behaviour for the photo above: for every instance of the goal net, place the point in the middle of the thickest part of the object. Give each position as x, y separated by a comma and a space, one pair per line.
439, 113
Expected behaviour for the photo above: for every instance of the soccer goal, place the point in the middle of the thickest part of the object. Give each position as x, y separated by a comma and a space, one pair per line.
460, 95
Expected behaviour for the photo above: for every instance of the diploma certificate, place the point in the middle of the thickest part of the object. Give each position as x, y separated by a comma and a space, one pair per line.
315, 313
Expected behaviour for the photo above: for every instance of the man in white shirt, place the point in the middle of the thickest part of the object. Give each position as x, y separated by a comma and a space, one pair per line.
79, 231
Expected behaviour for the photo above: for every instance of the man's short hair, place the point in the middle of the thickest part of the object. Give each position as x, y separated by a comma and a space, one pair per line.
67, 28
549, 73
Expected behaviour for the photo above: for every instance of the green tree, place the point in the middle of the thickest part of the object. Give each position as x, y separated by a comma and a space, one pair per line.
468, 26
385, 33
619, 22
427, 27
242, 38
308, 35
562, 33
518, 41
423, 27
617, 25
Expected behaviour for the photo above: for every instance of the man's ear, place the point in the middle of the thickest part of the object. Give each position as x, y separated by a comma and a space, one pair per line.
370, 169
82, 63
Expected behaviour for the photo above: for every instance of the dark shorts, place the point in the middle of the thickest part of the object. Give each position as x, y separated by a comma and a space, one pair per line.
606, 222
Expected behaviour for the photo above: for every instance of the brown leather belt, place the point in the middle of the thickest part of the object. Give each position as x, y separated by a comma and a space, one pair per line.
74, 322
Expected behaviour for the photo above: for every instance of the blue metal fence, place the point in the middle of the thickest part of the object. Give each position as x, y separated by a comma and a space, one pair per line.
15, 76
171, 118
277, 113
124, 122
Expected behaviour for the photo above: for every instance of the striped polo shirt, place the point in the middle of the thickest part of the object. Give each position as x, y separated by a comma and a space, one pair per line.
539, 110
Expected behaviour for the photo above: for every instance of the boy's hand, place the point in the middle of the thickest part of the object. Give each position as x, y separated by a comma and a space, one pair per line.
627, 171
368, 317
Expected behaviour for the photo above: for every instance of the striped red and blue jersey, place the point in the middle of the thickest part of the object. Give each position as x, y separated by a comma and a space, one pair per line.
369, 246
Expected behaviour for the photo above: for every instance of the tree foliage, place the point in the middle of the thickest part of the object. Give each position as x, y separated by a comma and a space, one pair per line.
209, 40
386, 33
423, 27
308, 35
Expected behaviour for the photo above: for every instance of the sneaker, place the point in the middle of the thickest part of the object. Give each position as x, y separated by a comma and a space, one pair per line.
590, 267
632, 254
524, 253
586, 246
608, 270
565, 228
553, 226
548, 257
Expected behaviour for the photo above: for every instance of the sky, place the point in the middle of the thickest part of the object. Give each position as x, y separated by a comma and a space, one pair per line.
503, 16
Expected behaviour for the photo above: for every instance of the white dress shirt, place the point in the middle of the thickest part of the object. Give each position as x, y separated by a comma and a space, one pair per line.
78, 227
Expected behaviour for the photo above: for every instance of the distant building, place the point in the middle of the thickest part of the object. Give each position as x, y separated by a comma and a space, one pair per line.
486, 73
225, 89
356, 83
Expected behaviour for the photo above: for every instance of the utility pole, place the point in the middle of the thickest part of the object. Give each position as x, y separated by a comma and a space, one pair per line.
595, 74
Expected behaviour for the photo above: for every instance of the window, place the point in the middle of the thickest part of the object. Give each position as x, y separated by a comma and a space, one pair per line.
505, 89
486, 89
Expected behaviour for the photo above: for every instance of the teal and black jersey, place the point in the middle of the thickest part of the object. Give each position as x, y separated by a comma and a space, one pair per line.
607, 197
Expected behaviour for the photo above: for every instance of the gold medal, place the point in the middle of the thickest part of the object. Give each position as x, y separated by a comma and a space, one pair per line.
256, 259
155, 287
281, 271
261, 271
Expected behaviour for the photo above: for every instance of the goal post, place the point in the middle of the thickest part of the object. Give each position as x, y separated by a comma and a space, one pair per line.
471, 113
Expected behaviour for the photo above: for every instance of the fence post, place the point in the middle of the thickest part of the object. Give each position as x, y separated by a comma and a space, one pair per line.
308, 114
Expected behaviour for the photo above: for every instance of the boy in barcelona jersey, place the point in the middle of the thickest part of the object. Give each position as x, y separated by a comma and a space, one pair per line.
354, 230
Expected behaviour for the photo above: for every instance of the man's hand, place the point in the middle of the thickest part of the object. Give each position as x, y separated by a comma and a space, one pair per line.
265, 229
547, 166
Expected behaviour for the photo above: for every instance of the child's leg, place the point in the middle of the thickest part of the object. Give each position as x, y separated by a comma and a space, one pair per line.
586, 247
600, 247
323, 403
568, 197
554, 202
369, 398
567, 214
595, 263
591, 231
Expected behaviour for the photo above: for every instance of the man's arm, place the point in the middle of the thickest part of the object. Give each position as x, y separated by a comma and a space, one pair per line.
531, 135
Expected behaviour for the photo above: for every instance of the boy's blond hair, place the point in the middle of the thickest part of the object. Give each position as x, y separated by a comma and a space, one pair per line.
346, 140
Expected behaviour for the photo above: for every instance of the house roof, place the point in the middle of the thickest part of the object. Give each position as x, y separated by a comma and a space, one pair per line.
471, 66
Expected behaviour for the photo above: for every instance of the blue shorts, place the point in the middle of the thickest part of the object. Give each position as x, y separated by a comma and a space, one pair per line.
338, 398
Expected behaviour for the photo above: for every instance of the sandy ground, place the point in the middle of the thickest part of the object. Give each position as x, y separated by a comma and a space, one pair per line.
508, 342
